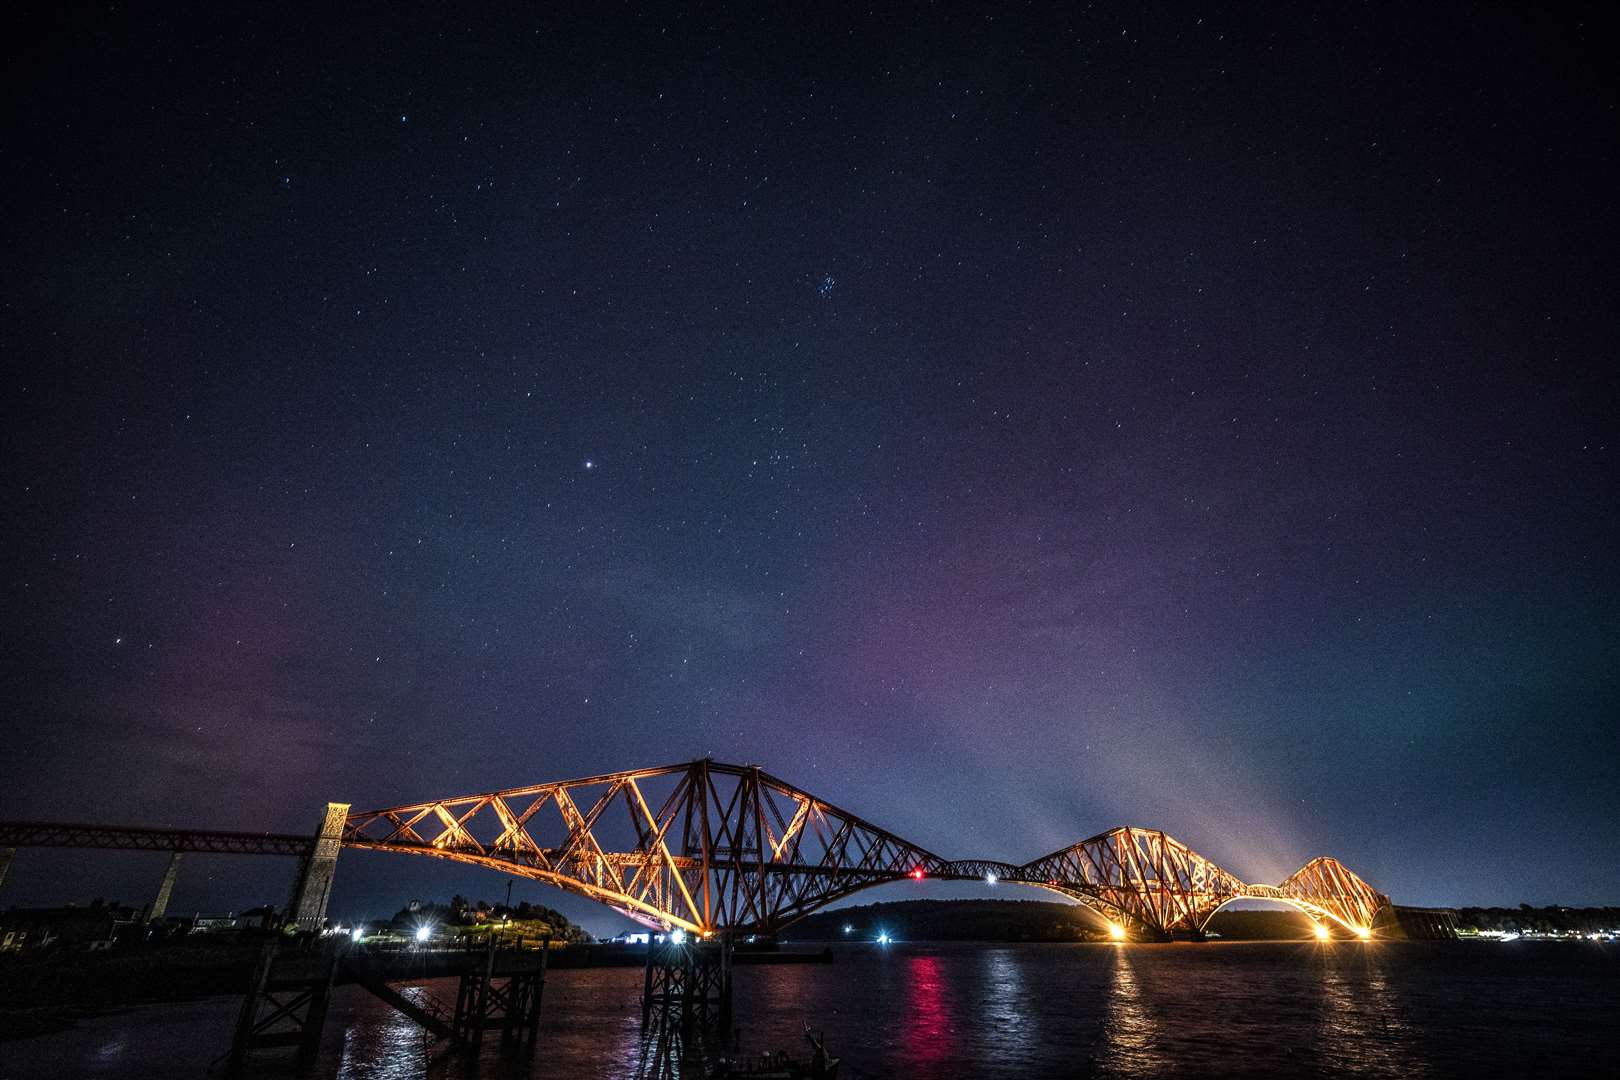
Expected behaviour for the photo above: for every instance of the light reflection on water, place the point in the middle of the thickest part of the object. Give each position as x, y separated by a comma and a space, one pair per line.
115, 1048
929, 1030
1359, 1032
940, 1011
390, 1047
1131, 1045
1007, 1006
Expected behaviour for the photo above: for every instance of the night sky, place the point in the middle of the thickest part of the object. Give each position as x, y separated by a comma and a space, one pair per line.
1005, 425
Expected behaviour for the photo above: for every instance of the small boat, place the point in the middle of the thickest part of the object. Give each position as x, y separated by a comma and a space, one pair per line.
780, 1066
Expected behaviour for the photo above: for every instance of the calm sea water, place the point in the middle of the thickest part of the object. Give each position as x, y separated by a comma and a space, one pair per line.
1214, 1009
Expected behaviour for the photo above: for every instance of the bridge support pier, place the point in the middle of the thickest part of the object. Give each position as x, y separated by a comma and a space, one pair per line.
313, 885
160, 904
483, 1001
278, 1013
686, 998
1423, 924
6, 855
527, 996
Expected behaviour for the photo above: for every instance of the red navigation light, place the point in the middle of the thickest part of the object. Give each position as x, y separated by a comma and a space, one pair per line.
917, 873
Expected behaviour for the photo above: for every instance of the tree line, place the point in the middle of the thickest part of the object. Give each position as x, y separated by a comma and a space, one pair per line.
529, 920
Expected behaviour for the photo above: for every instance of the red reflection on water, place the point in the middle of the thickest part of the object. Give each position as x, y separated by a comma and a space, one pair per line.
927, 1036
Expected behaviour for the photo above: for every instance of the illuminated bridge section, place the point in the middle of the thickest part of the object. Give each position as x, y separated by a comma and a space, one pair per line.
708, 847
1157, 886
700, 847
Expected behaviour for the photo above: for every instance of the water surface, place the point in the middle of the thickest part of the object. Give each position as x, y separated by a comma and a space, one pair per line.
1381, 1009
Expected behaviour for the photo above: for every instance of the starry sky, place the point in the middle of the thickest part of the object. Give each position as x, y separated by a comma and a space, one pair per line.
1004, 423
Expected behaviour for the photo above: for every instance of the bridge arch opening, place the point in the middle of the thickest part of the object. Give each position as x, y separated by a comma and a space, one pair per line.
1117, 923
1322, 923
867, 909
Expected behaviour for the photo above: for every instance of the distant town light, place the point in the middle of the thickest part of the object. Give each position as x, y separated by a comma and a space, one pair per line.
357, 932
677, 937
883, 938
989, 879
917, 873
424, 932
848, 929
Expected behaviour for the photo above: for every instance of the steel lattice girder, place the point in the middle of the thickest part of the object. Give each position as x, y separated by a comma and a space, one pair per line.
727, 846
1151, 881
134, 838
732, 847
1327, 883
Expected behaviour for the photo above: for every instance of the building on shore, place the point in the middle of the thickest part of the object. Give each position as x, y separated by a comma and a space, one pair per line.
98, 926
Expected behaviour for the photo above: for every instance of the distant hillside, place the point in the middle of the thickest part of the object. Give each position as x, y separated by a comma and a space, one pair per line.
1268, 924
952, 920
1011, 920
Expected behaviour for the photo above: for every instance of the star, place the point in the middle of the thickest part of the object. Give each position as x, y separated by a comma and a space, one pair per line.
868, 355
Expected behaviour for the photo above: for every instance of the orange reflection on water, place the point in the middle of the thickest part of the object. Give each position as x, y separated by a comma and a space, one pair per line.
1130, 1036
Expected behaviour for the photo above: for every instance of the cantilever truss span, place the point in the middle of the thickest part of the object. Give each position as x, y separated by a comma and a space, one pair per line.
1146, 879
699, 847
706, 847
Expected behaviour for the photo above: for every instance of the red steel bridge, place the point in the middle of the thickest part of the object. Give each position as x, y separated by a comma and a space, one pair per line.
709, 848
